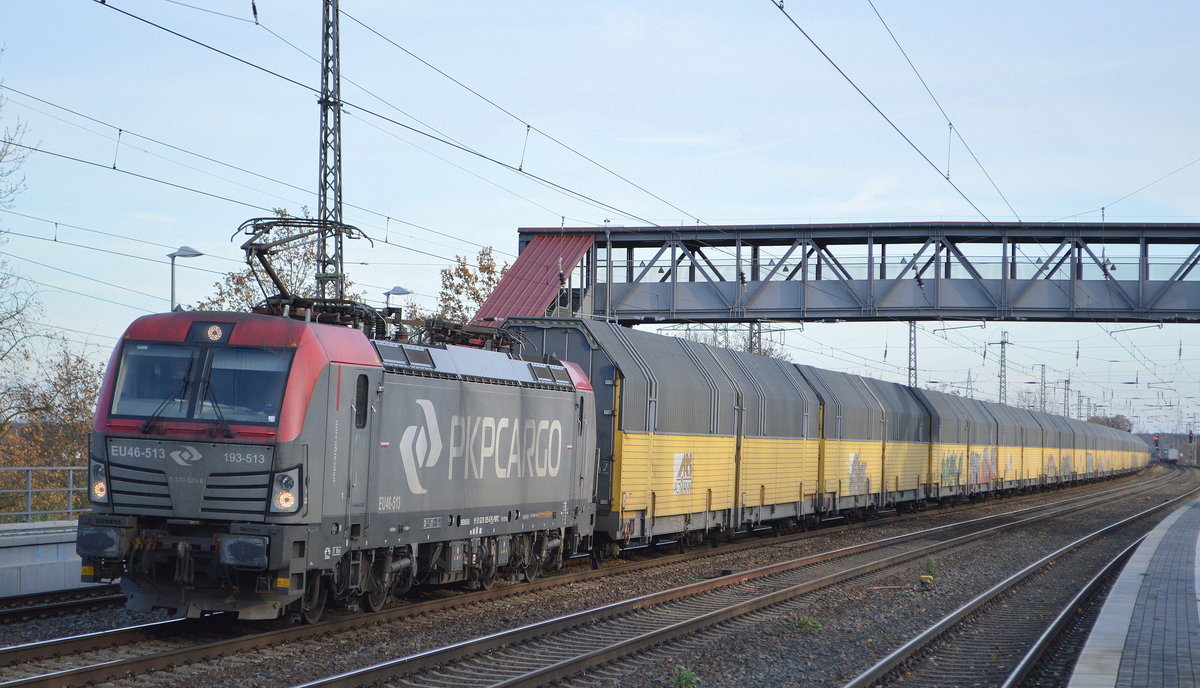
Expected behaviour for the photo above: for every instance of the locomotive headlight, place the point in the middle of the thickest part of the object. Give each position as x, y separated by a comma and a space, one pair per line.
285, 500
285, 492
98, 481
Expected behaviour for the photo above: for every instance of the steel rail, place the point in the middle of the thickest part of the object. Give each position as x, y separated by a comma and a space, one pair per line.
441, 657
22, 607
1032, 656
903, 653
135, 665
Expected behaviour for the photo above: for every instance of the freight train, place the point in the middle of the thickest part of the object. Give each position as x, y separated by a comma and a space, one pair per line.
268, 465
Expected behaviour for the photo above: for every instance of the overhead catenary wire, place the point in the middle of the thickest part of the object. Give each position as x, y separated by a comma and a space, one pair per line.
86, 295
954, 131
159, 261
81, 276
184, 187
528, 126
1131, 193
238, 168
465, 149
779, 5
553, 185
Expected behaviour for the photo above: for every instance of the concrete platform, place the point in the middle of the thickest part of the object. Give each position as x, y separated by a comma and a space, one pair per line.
38, 557
1148, 632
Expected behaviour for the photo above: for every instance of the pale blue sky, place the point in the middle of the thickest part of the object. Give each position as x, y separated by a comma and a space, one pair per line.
721, 109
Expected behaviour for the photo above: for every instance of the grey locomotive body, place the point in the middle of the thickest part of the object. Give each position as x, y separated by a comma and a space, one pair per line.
260, 465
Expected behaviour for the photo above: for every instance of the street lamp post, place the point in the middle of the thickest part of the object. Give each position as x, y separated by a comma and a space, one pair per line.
181, 252
394, 291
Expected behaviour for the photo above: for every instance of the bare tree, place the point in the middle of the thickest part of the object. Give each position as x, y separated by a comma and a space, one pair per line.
1119, 421
12, 155
18, 308
18, 301
739, 337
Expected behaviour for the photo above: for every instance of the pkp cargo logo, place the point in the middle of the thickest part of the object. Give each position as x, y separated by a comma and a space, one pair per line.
186, 456
420, 447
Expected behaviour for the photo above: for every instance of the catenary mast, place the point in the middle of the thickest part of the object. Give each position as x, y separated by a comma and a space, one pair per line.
330, 273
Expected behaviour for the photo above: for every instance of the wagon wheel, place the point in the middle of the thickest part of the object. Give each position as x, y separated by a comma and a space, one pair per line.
596, 556
312, 603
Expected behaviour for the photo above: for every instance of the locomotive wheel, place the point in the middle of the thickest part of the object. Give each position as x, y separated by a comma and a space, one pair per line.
374, 599
487, 573
534, 568
404, 583
312, 604
596, 557
536, 559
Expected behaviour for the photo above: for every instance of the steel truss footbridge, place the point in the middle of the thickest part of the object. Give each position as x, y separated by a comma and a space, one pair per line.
1116, 272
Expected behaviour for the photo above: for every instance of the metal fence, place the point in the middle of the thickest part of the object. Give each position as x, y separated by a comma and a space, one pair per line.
42, 493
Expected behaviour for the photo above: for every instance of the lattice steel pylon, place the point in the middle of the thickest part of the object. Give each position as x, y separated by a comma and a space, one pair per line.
754, 338
1042, 394
329, 189
912, 353
1004, 367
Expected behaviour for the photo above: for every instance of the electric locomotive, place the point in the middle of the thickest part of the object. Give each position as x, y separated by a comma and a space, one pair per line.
265, 465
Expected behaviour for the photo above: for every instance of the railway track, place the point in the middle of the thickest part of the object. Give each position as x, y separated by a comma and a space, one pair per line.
558, 649
103, 656
76, 600
998, 637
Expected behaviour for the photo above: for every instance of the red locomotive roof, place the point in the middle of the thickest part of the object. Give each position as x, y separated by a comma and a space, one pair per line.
316, 346
531, 283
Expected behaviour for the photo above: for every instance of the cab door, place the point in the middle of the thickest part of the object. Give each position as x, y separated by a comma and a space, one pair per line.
361, 417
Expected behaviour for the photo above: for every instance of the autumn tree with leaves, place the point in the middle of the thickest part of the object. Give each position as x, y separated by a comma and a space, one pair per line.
57, 404
465, 286
47, 401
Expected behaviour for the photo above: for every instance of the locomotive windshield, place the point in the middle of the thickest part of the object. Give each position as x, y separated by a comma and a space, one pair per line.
230, 384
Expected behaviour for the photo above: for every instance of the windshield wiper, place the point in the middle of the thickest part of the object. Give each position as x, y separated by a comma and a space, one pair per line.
180, 392
212, 397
